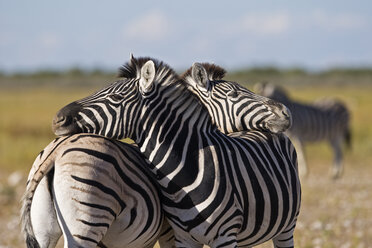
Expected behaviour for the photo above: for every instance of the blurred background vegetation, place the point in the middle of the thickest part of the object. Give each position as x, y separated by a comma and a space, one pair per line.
28, 102
336, 212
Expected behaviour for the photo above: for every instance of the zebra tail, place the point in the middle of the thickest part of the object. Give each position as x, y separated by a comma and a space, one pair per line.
42, 165
27, 228
31, 242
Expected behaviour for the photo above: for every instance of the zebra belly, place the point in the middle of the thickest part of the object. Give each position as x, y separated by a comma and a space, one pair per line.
264, 221
214, 230
260, 219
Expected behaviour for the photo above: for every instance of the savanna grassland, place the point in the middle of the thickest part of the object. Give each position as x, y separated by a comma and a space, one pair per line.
333, 214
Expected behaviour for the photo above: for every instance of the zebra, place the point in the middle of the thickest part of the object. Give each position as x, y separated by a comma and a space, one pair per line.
222, 191
324, 120
92, 190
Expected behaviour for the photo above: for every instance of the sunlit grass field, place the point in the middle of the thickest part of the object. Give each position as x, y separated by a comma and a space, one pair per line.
333, 214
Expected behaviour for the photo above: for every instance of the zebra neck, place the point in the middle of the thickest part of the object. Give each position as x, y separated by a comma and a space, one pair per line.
173, 137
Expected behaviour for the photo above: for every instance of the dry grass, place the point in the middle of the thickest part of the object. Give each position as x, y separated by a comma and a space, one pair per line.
333, 214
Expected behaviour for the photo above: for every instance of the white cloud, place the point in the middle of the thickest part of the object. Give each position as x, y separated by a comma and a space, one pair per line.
153, 26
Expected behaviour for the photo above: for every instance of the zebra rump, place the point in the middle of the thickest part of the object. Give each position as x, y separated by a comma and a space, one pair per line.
97, 190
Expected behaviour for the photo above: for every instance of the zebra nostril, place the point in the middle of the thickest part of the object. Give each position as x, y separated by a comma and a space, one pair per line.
62, 120
59, 119
64, 116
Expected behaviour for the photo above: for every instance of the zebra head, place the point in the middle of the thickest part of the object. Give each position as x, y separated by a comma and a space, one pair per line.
114, 111
232, 107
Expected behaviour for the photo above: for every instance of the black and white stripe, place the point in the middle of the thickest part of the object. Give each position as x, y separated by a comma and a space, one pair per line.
94, 192
219, 190
324, 120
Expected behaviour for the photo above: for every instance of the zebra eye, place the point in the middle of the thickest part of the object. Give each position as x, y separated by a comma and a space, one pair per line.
232, 94
116, 97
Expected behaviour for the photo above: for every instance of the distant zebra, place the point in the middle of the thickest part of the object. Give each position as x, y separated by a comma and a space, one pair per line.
223, 191
324, 120
93, 191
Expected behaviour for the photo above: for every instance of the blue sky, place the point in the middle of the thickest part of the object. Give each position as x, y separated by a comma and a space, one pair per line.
41, 34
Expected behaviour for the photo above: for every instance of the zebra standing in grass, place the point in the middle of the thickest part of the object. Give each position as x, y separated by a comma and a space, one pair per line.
92, 190
223, 191
324, 120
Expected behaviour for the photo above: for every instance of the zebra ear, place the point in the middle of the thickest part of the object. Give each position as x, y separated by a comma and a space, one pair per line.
200, 75
147, 76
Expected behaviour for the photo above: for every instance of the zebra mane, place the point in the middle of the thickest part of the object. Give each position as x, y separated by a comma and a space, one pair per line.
214, 72
132, 68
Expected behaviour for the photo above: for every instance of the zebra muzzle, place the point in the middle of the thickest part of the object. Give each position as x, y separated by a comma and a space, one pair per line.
64, 122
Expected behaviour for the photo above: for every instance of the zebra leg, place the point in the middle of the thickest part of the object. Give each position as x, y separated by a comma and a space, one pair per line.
44, 218
185, 244
285, 239
181, 242
79, 230
231, 244
226, 241
166, 238
337, 168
